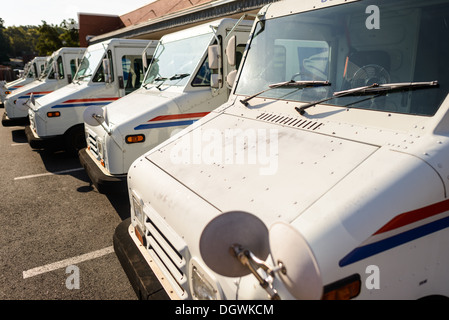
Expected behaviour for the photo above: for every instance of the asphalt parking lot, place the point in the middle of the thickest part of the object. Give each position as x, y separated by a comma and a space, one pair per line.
55, 229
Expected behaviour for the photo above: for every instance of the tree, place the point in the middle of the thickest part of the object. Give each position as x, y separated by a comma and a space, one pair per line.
22, 40
42, 40
48, 40
70, 35
4, 44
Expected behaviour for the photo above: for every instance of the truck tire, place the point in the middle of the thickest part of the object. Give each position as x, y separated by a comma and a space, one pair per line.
74, 139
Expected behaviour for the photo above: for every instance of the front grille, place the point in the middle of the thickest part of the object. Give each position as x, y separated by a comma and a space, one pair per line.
168, 250
92, 144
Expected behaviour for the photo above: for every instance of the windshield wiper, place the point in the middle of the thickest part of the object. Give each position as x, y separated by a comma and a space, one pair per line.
290, 83
374, 89
177, 76
83, 76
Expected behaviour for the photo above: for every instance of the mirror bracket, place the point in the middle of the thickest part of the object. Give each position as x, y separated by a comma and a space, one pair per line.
248, 259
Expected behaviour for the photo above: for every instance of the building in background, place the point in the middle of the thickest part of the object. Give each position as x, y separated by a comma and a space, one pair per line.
160, 17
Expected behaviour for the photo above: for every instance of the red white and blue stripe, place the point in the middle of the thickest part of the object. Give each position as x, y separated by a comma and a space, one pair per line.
403, 228
171, 120
36, 94
14, 88
72, 103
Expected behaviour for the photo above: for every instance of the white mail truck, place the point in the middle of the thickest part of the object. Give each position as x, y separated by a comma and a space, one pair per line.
108, 71
324, 176
180, 87
31, 72
59, 71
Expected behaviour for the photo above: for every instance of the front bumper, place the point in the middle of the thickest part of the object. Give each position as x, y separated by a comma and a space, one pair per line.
144, 282
10, 122
35, 142
104, 183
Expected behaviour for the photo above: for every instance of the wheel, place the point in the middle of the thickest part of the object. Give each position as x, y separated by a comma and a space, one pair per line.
74, 139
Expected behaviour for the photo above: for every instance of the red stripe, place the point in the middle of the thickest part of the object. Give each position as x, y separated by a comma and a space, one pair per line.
180, 116
39, 92
415, 215
90, 100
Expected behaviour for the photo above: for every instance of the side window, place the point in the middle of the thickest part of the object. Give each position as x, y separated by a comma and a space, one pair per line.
59, 70
34, 70
100, 75
73, 67
133, 72
239, 54
202, 78
60, 67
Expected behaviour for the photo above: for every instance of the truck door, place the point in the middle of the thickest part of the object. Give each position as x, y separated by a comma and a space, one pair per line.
130, 70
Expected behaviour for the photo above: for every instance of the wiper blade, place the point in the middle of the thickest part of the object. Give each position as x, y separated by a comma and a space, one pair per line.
83, 76
374, 89
177, 76
291, 83
389, 87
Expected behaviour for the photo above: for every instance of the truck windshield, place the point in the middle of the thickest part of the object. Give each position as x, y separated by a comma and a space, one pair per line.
352, 46
89, 64
173, 62
48, 69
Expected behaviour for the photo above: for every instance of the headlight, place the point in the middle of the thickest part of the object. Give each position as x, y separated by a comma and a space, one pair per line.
99, 147
138, 218
137, 208
202, 285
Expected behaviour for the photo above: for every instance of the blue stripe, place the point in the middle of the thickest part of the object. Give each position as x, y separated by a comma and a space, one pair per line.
69, 105
164, 124
36, 96
394, 241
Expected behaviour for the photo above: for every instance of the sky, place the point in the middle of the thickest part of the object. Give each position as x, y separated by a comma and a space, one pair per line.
33, 12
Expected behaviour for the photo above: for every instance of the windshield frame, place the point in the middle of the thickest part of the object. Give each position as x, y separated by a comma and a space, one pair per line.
93, 60
177, 76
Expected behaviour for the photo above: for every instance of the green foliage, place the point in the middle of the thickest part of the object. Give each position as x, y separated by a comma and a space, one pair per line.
4, 44
39, 40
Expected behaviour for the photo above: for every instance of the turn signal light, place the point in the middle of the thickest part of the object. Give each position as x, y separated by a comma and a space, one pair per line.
136, 138
142, 240
7, 92
344, 289
53, 114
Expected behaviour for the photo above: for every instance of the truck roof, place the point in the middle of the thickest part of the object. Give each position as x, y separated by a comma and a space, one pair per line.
204, 28
125, 41
277, 9
68, 50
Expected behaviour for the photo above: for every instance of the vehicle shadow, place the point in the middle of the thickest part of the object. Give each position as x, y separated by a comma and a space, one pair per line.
61, 162
19, 136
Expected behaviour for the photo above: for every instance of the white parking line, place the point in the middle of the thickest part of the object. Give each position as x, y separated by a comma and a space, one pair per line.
19, 144
67, 262
48, 174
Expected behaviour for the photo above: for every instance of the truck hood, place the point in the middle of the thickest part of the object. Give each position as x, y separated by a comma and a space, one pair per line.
139, 106
284, 171
67, 94
36, 85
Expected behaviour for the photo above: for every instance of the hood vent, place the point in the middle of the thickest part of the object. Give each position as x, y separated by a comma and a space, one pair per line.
290, 121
